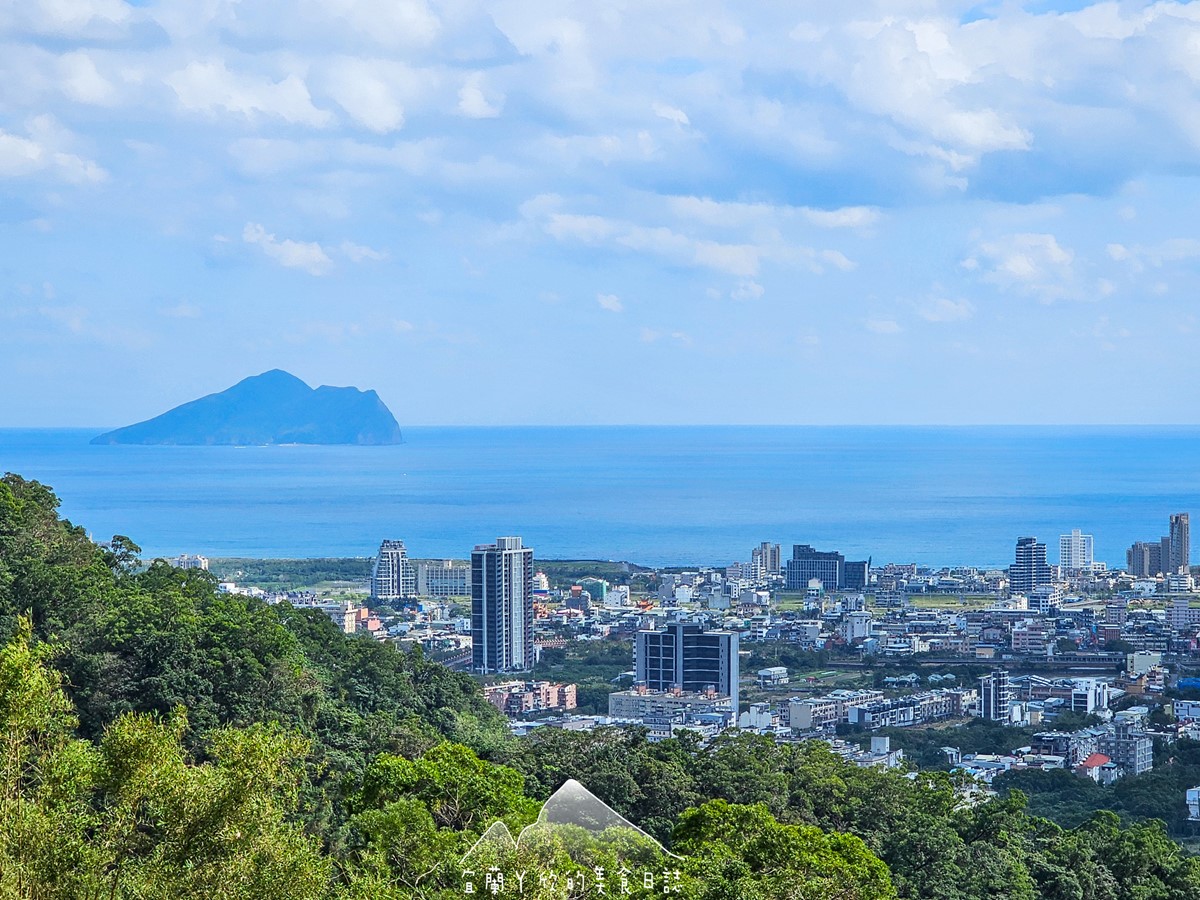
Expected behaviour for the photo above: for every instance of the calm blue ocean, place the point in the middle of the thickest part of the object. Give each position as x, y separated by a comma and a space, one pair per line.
653, 495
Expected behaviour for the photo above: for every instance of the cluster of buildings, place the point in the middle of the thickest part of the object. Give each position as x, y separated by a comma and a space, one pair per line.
1168, 555
520, 698
395, 577
1103, 753
689, 630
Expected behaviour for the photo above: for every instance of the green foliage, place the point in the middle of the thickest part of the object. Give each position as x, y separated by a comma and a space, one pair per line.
460, 790
566, 572
591, 666
134, 816
742, 851
923, 746
1155, 795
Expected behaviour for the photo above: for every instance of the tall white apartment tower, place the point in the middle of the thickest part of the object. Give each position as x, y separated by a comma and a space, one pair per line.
502, 606
766, 559
394, 576
1075, 551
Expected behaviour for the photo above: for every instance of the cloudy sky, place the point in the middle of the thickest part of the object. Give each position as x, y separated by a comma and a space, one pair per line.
604, 212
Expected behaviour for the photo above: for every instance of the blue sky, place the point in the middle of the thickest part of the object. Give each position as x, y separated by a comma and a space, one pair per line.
888, 211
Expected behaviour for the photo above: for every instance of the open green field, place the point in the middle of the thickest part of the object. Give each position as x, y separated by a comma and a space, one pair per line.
786, 602
293, 574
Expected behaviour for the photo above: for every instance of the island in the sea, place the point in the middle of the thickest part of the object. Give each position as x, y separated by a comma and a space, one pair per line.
275, 407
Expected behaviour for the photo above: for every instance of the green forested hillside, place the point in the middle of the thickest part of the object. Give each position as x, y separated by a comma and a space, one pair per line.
159, 739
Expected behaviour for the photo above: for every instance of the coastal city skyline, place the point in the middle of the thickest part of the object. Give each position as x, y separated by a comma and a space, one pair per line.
524, 449
939, 211
413, 576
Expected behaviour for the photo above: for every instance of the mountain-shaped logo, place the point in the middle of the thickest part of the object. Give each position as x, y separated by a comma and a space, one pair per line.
572, 806
577, 839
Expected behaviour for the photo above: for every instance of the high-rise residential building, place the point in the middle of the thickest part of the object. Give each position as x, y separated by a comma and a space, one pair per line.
1144, 559
767, 559
995, 695
1075, 551
684, 656
394, 576
502, 606
1029, 569
855, 575
827, 566
1179, 544
1168, 555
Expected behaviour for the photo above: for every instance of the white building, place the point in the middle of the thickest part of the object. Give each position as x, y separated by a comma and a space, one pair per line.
184, 561
394, 576
1075, 551
1045, 597
1181, 614
443, 578
617, 596
774, 675
856, 626
1180, 583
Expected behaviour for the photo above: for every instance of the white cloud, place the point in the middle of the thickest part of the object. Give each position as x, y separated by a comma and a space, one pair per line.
309, 256
653, 335
82, 81
392, 23
747, 290
1160, 255
734, 214
742, 259
943, 309
181, 310
210, 87
473, 101
846, 217
44, 148
80, 19
1034, 264
358, 253
670, 113
376, 92
611, 302
883, 326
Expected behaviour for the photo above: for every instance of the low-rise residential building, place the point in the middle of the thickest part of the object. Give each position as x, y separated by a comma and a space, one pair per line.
915, 709
823, 713
639, 703
772, 676
517, 698
1129, 747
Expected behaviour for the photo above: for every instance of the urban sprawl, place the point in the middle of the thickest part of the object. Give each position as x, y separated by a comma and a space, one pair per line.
1096, 664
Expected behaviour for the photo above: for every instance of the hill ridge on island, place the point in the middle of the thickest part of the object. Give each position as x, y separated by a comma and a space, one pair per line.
275, 407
